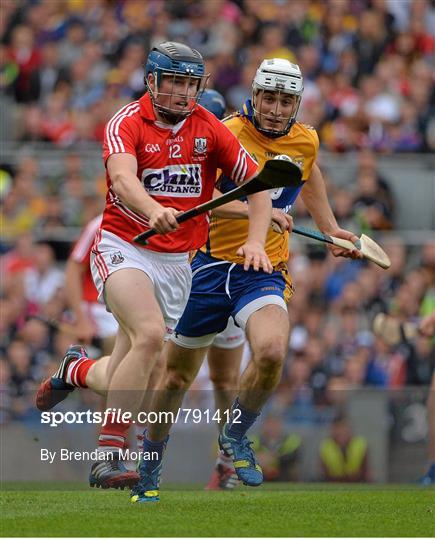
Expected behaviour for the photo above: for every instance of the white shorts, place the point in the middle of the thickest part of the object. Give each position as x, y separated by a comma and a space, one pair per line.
104, 322
170, 273
231, 338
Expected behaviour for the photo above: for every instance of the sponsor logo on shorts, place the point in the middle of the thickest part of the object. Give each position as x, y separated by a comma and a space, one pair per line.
270, 289
174, 180
116, 257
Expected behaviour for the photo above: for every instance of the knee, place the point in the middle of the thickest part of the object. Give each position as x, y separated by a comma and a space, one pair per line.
224, 381
148, 337
177, 379
270, 355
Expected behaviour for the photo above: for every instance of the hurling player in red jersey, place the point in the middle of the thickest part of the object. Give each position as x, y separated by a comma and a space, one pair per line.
161, 155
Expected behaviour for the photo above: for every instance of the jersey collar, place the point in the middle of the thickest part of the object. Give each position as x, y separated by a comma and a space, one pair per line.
247, 111
147, 112
146, 108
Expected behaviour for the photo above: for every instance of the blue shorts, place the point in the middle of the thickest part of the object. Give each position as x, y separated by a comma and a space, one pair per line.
221, 289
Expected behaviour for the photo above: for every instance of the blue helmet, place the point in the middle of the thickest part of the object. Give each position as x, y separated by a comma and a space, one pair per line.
174, 60
213, 102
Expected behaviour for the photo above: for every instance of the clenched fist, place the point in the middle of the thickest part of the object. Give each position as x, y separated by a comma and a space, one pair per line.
162, 219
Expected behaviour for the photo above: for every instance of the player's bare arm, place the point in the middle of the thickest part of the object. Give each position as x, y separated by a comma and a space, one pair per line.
316, 200
259, 214
122, 170
231, 210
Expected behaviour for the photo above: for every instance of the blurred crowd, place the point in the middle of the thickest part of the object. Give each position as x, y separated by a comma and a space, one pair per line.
332, 346
48, 201
68, 65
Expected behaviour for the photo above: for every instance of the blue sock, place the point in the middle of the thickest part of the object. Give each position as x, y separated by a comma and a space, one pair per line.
151, 446
241, 421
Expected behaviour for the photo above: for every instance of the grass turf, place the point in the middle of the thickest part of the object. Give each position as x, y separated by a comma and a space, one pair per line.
273, 510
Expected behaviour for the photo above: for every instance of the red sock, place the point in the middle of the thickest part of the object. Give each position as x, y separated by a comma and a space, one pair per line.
139, 436
113, 435
77, 371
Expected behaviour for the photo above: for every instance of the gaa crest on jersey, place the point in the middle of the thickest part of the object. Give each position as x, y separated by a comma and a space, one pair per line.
200, 145
174, 180
299, 160
116, 257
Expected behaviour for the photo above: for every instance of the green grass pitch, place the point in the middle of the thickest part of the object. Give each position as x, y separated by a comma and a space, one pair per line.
272, 510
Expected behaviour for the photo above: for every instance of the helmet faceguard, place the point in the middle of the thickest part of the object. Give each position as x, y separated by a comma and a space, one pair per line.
278, 77
171, 61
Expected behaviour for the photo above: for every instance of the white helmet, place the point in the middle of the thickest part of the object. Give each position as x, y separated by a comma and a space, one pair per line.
278, 75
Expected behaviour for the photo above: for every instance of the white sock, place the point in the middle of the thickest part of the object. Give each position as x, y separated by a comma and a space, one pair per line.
71, 374
223, 459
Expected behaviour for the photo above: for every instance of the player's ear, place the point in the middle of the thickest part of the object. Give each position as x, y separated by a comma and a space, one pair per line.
256, 99
152, 82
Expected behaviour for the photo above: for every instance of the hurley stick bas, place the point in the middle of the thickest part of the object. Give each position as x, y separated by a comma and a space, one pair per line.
365, 245
368, 247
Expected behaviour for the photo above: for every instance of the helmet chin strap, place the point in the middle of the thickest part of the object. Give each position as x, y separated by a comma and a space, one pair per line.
170, 117
268, 132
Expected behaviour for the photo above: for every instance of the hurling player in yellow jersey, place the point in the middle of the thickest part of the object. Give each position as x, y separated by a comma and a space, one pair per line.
224, 287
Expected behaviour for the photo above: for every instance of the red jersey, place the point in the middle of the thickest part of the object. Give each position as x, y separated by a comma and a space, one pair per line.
177, 167
81, 254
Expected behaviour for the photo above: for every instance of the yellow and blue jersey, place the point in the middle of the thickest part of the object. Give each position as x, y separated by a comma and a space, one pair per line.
220, 286
301, 144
